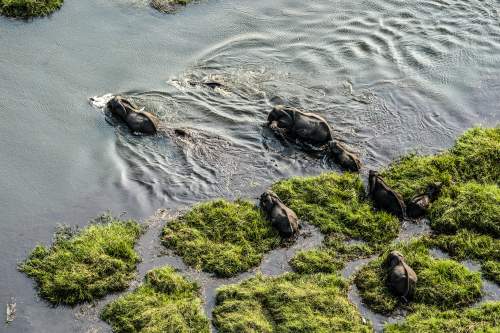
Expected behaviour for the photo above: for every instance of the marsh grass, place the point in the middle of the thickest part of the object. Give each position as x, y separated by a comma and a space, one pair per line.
168, 6
331, 257
29, 8
336, 204
442, 283
165, 303
221, 237
85, 265
484, 318
289, 303
475, 156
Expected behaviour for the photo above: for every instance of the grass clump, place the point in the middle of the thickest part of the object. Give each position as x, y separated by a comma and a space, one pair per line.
336, 204
485, 318
165, 303
331, 257
475, 156
221, 237
168, 6
29, 8
85, 265
288, 303
469, 206
441, 283
469, 245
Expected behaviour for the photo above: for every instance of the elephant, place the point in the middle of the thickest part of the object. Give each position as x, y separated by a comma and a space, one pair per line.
137, 120
343, 157
418, 205
281, 217
297, 125
401, 278
384, 197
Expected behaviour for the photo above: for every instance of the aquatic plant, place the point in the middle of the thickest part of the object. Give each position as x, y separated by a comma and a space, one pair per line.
442, 283
331, 257
221, 237
29, 8
88, 264
484, 318
336, 204
469, 206
475, 156
165, 303
168, 6
287, 303
469, 245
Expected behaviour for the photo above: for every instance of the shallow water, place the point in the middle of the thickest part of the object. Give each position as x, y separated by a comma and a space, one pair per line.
391, 77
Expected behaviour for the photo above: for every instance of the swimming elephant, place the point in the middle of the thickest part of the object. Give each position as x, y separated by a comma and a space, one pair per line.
282, 218
401, 278
384, 197
418, 205
297, 125
343, 157
136, 119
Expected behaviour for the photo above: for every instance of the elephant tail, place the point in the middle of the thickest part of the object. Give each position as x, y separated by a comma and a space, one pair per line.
407, 292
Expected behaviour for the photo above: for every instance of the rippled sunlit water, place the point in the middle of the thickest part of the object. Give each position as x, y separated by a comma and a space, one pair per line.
390, 76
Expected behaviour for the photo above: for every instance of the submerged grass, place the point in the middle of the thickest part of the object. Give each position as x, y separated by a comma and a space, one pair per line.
469, 206
442, 283
336, 204
331, 257
289, 303
475, 156
29, 8
85, 265
165, 303
485, 318
221, 237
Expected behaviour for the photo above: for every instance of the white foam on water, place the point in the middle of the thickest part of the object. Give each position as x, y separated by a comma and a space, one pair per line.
99, 102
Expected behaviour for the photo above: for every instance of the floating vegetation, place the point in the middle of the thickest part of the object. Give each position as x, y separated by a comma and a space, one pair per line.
485, 318
221, 237
288, 303
88, 264
336, 204
168, 6
442, 283
165, 303
29, 8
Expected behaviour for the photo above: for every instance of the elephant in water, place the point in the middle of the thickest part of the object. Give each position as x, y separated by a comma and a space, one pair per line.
137, 120
418, 205
282, 218
297, 125
343, 157
384, 197
401, 278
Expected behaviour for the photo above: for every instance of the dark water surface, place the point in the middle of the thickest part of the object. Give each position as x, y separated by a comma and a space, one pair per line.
390, 76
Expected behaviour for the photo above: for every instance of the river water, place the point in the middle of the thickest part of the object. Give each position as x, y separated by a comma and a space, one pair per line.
390, 76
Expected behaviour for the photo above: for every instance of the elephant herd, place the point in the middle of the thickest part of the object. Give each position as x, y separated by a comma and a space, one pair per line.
309, 130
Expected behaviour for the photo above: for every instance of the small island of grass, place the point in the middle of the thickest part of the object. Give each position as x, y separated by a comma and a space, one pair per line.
87, 264
168, 6
29, 8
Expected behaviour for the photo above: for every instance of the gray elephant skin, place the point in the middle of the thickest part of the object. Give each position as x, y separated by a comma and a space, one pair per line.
384, 197
137, 120
282, 218
401, 278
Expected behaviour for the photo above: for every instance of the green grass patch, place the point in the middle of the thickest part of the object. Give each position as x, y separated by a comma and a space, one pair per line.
336, 204
87, 264
289, 303
165, 303
221, 237
469, 206
331, 257
442, 283
485, 318
29, 8
474, 157
168, 6
469, 245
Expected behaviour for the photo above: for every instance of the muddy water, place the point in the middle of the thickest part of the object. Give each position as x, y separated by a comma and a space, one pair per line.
390, 76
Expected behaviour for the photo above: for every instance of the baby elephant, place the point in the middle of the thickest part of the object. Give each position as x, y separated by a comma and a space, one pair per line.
343, 157
282, 218
419, 204
401, 278
298, 125
137, 120
384, 197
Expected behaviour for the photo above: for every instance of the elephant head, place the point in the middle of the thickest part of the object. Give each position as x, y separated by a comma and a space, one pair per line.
384, 197
281, 217
343, 157
137, 120
401, 278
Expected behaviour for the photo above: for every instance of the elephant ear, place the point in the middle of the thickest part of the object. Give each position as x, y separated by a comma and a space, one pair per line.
155, 121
